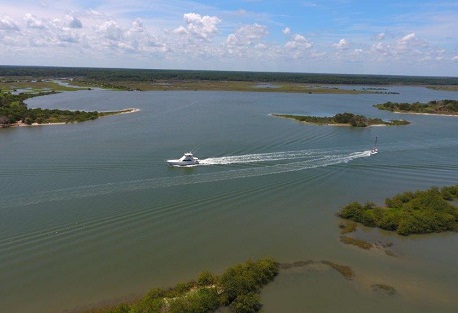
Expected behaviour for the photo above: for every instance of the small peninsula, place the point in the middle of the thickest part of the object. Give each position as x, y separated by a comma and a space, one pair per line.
435, 107
14, 112
419, 212
343, 119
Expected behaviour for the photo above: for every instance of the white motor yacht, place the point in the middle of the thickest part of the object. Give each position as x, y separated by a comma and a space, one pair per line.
186, 160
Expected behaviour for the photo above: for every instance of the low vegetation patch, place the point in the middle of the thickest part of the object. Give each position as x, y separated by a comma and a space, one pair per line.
356, 242
348, 119
237, 288
419, 212
385, 288
344, 270
347, 227
432, 107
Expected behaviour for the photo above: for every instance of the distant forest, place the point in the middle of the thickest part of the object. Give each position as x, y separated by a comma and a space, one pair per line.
141, 75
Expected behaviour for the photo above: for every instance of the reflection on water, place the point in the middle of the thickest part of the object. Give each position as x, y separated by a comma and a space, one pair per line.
92, 211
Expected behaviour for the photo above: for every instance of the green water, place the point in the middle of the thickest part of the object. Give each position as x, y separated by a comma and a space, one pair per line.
90, 212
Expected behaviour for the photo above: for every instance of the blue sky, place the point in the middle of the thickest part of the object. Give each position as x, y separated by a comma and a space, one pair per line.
334, 36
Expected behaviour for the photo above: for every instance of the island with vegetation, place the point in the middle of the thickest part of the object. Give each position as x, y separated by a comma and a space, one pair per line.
440, 107
14, 112
237, 288
419, 212
343, 119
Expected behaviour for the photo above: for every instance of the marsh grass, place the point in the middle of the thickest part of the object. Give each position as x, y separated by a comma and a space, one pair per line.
194, 85
344, 270
390, 290
34, 86
356, 242
347, 227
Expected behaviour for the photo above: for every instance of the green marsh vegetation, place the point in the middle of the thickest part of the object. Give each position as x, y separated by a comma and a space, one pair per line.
419, 212
449, 107
444, 88
237, 288
154, 79
345, 271
348, 119
389, 290
356, 242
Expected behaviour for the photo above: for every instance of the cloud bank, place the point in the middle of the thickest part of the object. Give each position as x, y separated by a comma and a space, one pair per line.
198, 40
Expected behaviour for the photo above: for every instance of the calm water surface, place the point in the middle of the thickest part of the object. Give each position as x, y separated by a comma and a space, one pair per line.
89, 212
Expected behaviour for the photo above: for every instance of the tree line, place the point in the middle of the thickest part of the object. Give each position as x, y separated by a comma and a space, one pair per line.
141, 75
434, 107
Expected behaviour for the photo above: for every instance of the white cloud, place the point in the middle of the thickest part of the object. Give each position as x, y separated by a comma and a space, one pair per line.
455, 58
342, 44
407, 38
247, 35
34, 22
286, 31
381, 48
7, 23
298, 42
137, 26
73, 22
201, 26
380, 36
110, 30
181, 30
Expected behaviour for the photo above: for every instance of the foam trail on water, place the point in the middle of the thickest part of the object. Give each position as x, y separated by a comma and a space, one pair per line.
314, 160
261, 157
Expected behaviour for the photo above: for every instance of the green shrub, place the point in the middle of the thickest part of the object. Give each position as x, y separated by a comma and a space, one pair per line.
407, 213
249, 303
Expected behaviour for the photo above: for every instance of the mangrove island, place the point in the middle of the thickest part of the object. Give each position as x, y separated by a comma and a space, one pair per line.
419, 212
438, 107
343, 119
14, 112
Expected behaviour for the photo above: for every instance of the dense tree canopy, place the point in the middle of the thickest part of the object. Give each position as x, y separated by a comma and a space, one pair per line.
408, 213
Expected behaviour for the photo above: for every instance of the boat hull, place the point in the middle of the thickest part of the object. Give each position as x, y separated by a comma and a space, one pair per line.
181, 163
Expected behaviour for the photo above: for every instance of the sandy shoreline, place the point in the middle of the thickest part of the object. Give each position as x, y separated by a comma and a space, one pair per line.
432, 114
124, 111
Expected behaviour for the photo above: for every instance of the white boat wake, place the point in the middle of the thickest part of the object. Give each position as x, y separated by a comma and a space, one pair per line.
303, 160
270, 157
